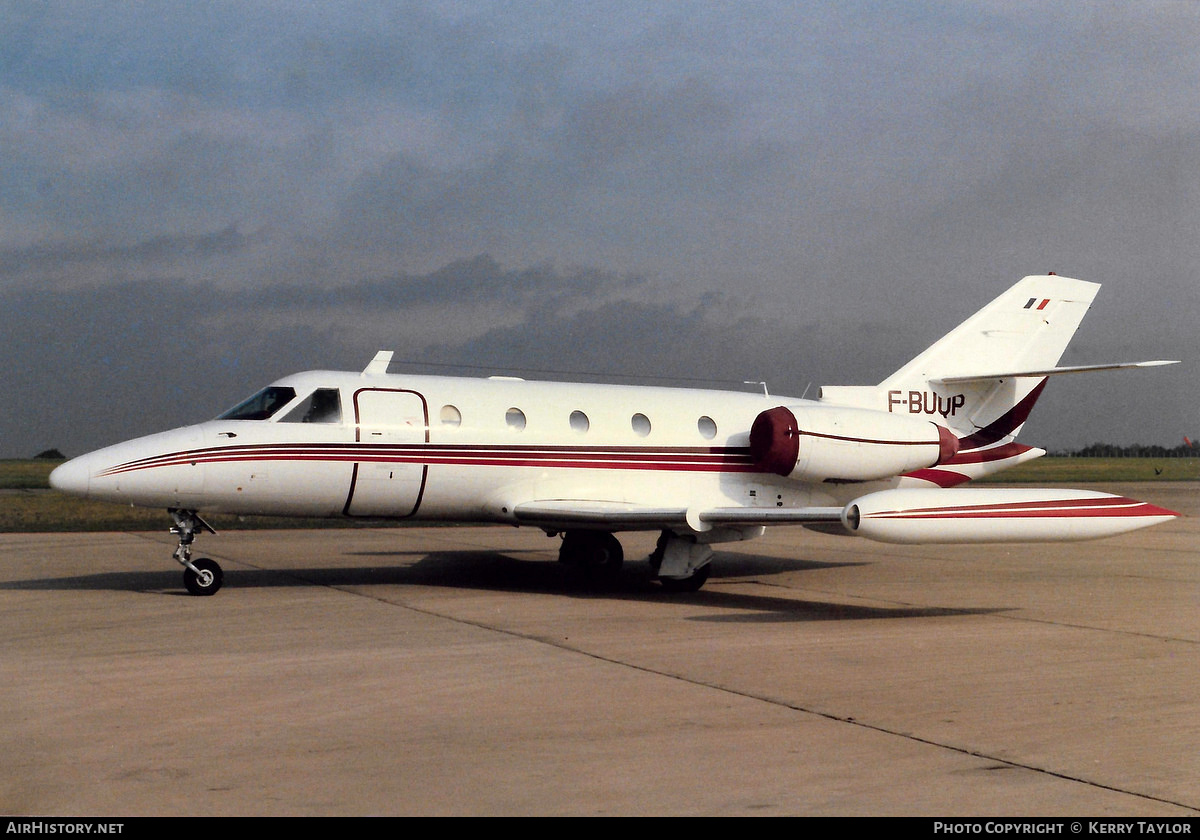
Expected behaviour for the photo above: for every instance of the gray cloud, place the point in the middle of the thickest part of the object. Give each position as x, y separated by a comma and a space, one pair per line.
38, 261
92, 365
268, 189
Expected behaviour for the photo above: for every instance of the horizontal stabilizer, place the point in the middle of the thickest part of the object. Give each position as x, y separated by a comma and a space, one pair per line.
980, 377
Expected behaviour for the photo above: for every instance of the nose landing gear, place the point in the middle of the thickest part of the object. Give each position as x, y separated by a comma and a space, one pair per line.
202, 576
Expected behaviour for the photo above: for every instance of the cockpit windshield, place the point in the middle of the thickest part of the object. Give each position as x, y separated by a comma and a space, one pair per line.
322, 406
262, 405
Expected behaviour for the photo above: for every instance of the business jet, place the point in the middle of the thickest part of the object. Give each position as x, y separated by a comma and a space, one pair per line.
585, 461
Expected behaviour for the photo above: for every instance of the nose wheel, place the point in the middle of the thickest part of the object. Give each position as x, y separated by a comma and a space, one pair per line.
202, 576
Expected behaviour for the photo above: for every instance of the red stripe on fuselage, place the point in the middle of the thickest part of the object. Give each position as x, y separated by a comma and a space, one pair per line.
706, 459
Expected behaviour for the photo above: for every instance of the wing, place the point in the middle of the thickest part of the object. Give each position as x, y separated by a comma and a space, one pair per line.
561, 514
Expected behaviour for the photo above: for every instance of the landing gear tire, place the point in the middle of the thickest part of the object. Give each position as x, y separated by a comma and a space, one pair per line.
594, 558
691, 583
207, 578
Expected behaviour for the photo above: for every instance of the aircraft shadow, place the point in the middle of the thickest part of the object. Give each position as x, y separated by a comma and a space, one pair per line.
505, 572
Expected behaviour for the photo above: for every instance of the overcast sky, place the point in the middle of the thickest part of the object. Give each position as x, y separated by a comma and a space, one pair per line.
197, 198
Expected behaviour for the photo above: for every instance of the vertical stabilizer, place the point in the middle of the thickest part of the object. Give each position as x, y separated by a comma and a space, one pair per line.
1025, 329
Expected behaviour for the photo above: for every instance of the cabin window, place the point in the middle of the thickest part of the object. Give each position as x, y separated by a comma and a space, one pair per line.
579, 421
322, 406
515, 418
451, 416
640, 424
262, 405
707, 427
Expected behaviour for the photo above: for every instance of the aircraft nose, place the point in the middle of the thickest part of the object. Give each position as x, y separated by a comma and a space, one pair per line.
72, 477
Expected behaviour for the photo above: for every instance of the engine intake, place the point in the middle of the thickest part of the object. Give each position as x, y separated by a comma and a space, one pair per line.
818, 443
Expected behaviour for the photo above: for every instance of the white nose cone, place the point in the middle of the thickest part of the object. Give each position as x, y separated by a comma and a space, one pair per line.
72, 477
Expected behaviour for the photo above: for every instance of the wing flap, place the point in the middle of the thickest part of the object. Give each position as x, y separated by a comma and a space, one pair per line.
598, 514
771, 516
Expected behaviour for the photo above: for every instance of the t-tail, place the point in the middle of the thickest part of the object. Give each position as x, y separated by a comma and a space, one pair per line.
982, 379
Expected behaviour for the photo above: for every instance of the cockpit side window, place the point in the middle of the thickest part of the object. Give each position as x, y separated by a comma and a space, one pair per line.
262, 405
322, 406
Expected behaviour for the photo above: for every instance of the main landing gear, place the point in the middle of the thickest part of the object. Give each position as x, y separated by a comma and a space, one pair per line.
594, 559
201, 576
681, 563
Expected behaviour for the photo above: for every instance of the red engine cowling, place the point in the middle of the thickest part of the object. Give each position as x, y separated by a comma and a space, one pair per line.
818, 443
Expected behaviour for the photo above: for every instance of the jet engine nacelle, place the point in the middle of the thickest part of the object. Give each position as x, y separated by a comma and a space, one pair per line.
939, 515
815, 443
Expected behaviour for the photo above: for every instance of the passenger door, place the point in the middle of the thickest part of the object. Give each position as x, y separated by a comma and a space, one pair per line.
391, 431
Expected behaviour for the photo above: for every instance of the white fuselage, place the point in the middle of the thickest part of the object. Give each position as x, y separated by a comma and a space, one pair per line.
435, 447
565, 455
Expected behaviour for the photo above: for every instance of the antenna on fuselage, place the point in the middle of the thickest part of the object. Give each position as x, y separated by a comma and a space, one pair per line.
379, 365
757, 382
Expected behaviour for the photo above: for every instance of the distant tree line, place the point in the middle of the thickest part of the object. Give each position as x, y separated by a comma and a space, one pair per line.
1137, 450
